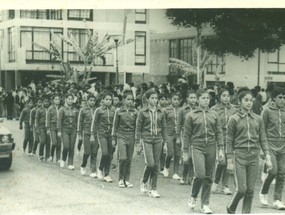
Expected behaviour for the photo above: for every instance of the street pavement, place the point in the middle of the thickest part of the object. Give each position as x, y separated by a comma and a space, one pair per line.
34, 187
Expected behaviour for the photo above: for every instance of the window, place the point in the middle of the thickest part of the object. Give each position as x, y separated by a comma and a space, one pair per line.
11, 44
216, 66
173, 49
141, 16
140, 48
41, 36
11, 14
186, 50
41, 14
276, 62
80, 15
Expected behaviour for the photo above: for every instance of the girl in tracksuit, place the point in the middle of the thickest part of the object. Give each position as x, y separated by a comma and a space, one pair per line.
203, 133
274, 123
40, 124
123, 135
67, 130
173, 148
245, 137
26, 118
36, 135
225, 110
84, 128
51, 124
183, 112
101, 128
152, 131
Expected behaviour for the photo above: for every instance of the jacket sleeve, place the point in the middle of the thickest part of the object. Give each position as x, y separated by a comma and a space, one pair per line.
164, 127
219, 132
139, 126
187, 134
262, 138
115, 124
80, 121
179, 123
22, 117
37, 118
230, 137
48, 118
60, 119
265, 118
95, 121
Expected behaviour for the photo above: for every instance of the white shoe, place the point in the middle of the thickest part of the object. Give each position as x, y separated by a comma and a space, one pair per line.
274, 181
128, 184
165, 172
121, 184
206, 210
192, 203
263, 176
93, 175
71, 167
215, 187
154, 194
100, 174
108, 179
83, 170
263, 199
49, 159
226, 191
61, 163
278, 205
143, 187
182, 182
176, 177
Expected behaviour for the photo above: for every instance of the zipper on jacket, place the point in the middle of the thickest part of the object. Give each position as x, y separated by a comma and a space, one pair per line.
248, 133
280, 124
206, 130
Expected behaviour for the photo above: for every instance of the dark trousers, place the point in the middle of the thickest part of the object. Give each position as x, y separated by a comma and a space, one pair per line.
68, 141
36, 136
28, 138
90, 150
152, 150
44, 143
188, 171
173, 149
55, 144
221, 172
278, 172
245, 172
105, 143
204, 164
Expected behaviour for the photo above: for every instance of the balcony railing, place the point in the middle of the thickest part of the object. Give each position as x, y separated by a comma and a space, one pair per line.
72, 57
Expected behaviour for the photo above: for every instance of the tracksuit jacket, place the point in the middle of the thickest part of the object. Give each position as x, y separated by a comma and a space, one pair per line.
171, 117
52, 115
103, 121
202, 128
25, 116
151, 125
67, 119
85, 120
40, 118
181, 119
245, 131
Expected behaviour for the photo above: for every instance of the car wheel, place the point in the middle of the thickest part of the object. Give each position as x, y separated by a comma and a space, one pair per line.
6, 163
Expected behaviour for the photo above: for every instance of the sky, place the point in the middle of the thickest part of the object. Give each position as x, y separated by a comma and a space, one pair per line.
159, 22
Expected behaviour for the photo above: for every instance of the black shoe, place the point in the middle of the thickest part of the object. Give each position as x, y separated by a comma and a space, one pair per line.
229, 211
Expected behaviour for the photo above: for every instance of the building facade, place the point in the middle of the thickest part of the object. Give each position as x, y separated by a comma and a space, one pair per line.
21, 61
262, 69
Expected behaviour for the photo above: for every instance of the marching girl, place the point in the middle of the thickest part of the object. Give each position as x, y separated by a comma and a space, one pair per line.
123, 135
84, 128
173, 148
187, 164
67, 125
203, 133
101, 128
224, 110
151, 130
245, 137
274, 123
36, 135
51, 124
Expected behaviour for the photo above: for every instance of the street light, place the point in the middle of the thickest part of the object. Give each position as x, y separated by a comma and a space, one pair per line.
116, 38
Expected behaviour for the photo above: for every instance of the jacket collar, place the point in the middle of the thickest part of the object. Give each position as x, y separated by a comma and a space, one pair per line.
146, 108
222, 106
198, 109
243, 114
273, 106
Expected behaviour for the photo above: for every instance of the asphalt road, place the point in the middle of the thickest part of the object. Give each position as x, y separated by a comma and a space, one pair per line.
34, 187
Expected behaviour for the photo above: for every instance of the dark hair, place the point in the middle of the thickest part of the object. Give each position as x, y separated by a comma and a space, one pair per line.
277, 91
126, 93
68, 94
221, 91
191, 92
174, 94
55, 95
91, 96
243, 94
106, 93
148, 93
200, 92
162, 95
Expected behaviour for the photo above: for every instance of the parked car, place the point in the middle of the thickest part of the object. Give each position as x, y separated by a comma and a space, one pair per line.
7, 145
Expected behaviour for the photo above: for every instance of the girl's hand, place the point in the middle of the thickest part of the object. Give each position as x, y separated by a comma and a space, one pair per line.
230, 165
114, 143
92, 138
221, 155
268, 162
48, 132
178, 141
185, 156
59, 134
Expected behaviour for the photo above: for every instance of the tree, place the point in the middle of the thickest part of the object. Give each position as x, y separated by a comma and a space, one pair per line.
234, 31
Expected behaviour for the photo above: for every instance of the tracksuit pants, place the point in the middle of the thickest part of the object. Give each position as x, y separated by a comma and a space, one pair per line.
105, 143
68, 141
278, 172
188, 170
126, 150
28, 138
173, 149
55, 144
204, 159
44, 143
152, 150
245, 172
90, 150
221, 172
36, 137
